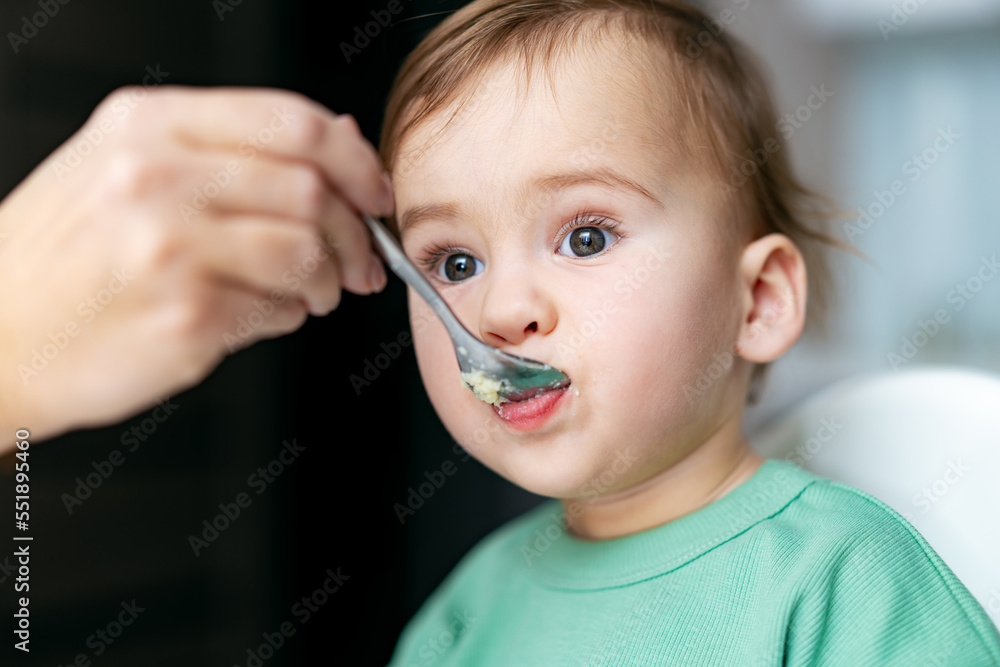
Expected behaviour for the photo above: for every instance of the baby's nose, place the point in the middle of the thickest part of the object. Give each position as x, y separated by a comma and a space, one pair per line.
514, 308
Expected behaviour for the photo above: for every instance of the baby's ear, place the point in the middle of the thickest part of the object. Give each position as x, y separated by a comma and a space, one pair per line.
773, 286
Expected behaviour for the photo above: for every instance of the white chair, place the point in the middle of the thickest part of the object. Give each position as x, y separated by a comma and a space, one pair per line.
926, 442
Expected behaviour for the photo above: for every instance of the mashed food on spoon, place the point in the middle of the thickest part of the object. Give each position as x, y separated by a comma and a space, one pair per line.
484, 387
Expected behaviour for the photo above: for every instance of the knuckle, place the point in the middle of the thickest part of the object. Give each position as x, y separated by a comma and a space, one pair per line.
188, 318
115, 97
133, 174
188, 373
146, 108
352, 244
155, 101
104, 107
310, 192
294, 317
348, 123
135, 105
156, 245
304, 245
334, 301
307, 129
330, 297
332, 243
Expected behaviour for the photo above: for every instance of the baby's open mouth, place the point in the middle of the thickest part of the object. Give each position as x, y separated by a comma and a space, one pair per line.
527, 411
489, 389
532, 412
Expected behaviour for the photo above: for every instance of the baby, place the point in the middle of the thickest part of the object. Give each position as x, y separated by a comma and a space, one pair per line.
573, 177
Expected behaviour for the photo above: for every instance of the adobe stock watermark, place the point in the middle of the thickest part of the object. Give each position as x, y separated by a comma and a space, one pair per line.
804, 452
761, 499
223, 7
721, 362
382, 18
625, 288
418, 496
992, 605
7, 569
435, 647
932, 494
901, 13
927, 329
586, 155
915, 168
91, 137
292, 279
373, 366
31, 26
470, 108
697, 44
574, 509
230, 512
103, 638
219, 180
941, 656
786, 125
134, 436
583, 157
301, 611
59, 340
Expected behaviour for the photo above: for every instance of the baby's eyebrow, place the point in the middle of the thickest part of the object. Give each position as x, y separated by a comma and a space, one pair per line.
414, 216
599, 176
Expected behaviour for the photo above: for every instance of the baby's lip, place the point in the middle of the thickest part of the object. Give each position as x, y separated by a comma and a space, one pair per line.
540, 391
533, 413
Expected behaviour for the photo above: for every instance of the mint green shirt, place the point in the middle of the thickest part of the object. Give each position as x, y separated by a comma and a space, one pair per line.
786, 569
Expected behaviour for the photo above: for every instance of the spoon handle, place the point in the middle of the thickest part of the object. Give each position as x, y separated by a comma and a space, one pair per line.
408, 273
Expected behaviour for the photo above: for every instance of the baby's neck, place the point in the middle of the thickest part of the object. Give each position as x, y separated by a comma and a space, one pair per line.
712, 470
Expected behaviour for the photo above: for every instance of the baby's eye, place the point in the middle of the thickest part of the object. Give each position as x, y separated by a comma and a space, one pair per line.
587, 241
459, 266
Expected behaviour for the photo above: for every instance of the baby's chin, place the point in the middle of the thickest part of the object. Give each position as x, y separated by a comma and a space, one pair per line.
564, 466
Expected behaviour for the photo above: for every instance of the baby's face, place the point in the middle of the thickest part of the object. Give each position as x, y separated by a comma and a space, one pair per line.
562, 232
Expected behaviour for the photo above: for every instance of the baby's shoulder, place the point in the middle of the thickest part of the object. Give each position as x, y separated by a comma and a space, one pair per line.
834, 531
857, 568
832, 510
831, 516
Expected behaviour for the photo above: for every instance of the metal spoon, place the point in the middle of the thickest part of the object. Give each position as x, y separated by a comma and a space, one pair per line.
519, 378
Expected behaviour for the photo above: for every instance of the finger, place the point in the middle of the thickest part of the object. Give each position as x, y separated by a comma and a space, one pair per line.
276, 259
248, 319
193, 334
283, 124
347, 237
271, 187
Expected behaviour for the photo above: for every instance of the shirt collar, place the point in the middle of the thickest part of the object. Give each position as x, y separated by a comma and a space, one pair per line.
558, 559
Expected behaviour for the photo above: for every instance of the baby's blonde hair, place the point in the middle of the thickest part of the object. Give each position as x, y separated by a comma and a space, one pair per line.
722, 103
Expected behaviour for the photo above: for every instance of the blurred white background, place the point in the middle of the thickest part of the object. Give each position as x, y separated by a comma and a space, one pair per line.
903, 74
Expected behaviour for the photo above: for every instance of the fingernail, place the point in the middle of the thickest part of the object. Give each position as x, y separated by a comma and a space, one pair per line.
377, 278
385, 198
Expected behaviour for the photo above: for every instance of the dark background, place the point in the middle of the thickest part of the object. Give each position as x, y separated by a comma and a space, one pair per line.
333, 507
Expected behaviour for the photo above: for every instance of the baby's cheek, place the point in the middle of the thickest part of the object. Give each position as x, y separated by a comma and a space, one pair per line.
460, 411
666, 343
435, 353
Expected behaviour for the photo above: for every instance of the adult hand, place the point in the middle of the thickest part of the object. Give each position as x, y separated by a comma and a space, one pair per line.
177, 225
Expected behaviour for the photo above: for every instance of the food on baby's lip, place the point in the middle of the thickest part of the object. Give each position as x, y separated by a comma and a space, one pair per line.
485, 388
